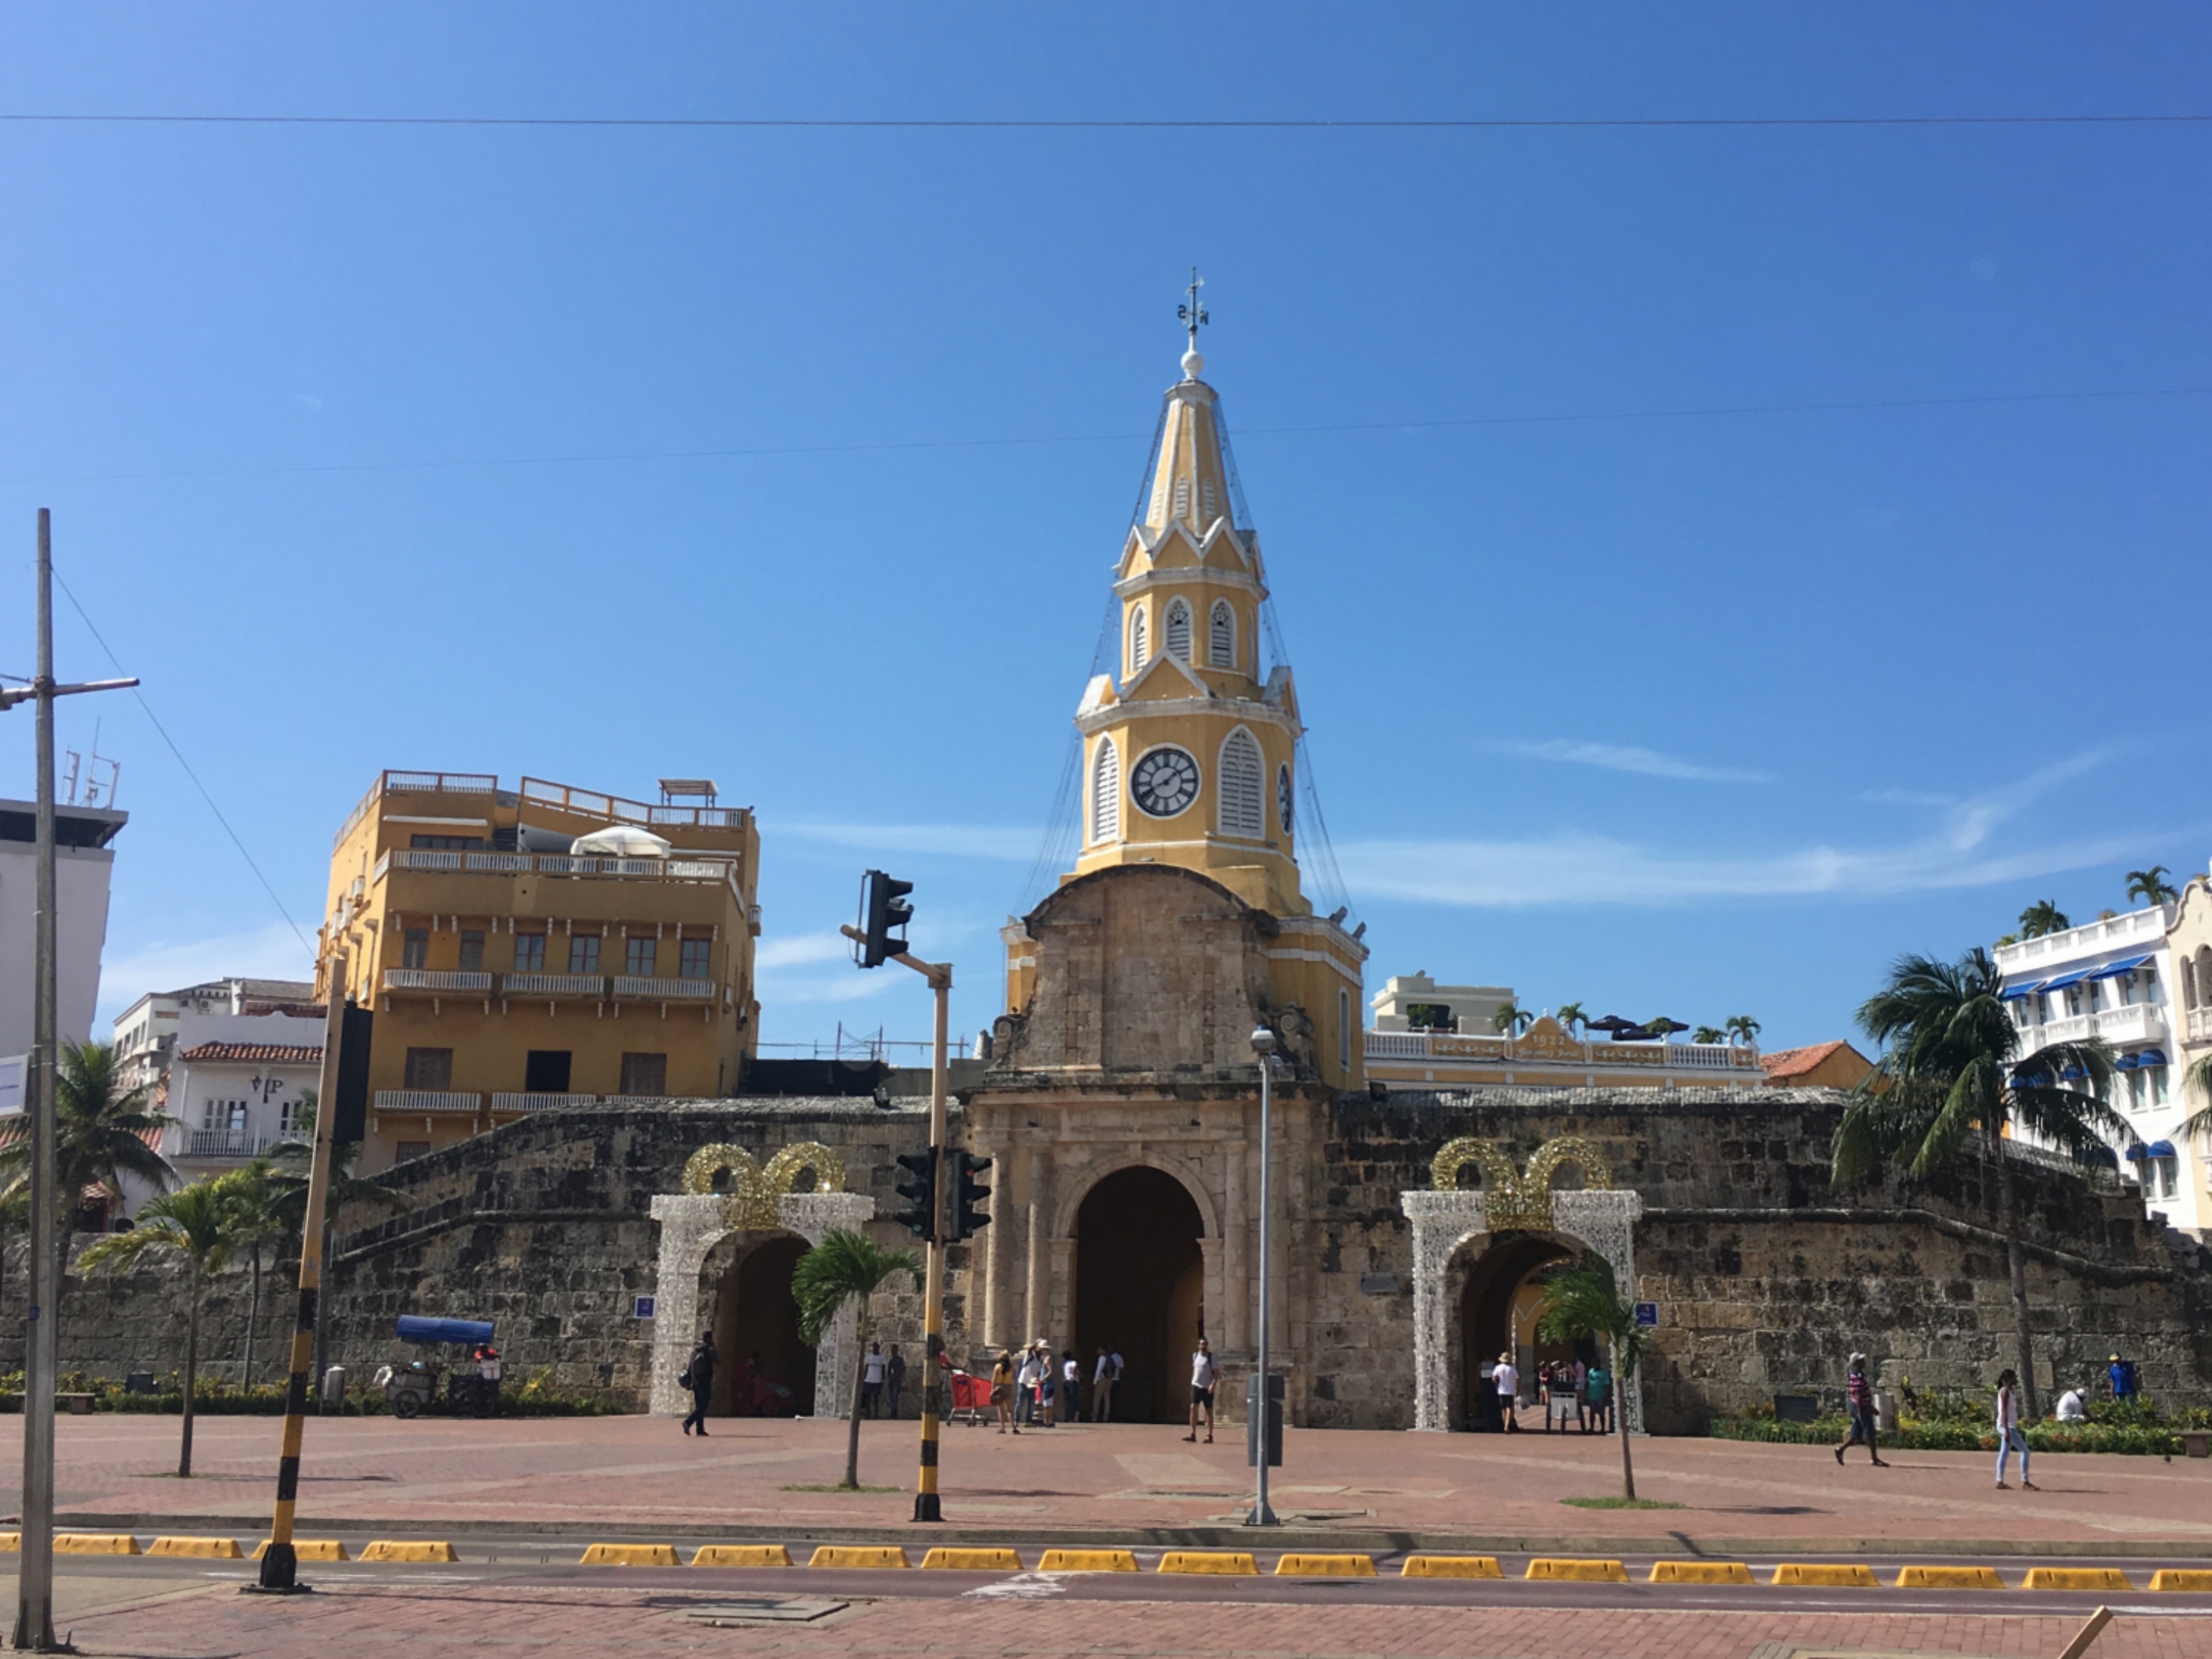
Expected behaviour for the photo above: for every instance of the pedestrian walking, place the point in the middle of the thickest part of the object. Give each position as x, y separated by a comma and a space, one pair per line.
1107, 1373
1507, 1381
1601, 1397
2009, 1437
699, 1377
894, 1377
1070, 1386
1047, 1382
872, 1381
1581, 1382
1203, 1375
1858, 1396
486, 1388
1025, 1382
1002, 1392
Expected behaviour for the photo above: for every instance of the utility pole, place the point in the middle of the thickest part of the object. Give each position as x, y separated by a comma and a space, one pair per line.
34, 1604
280, 1562
1261, 1411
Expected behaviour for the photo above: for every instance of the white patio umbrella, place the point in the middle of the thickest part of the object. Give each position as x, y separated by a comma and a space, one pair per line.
620, 840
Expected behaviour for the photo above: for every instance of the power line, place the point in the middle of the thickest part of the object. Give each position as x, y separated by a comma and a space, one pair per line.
189, 773
766, 451
985, 124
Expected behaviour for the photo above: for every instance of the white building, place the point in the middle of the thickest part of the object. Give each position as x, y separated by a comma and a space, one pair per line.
235, 1086
83, 864
2112, 979
146, 1031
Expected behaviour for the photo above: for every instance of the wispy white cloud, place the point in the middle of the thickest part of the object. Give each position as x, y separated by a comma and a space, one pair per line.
1006, 842
1623, 757
796, 949
130, 973
1583, 868
1907, 797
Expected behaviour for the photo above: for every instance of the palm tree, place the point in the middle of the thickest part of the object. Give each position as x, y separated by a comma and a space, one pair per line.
1573, 1018
1707, 1034
196, 1224
1581, 1299
1951, 1084
847, 1267
2151, 885
2197, 1080
1510, 1019
102, 1132
260, 1224
2042, 917
1743, 1028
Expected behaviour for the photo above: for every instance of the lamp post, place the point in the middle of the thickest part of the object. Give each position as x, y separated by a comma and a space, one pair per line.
1259, 1413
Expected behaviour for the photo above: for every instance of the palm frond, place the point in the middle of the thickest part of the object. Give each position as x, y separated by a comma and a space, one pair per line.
845, 1264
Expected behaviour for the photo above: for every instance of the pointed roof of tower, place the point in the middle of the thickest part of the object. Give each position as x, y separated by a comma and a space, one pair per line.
1191, 479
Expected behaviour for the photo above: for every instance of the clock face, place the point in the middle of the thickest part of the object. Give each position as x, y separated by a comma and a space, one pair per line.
1284, 803
1164, 782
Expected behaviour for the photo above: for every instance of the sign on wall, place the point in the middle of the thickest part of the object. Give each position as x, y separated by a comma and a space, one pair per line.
641, 1308
1647, 1314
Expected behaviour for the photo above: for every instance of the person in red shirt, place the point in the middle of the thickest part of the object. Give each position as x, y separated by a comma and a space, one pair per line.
1859, 1390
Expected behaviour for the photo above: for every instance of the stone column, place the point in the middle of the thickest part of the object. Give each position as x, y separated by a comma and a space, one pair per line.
1236, 1249
1440, 1221
690, 1228
1606, 1221
998, 1252
1059, 1327
1037, 1303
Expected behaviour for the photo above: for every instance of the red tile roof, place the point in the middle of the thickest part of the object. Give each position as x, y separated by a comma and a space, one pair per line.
257, 1053
1796, 1062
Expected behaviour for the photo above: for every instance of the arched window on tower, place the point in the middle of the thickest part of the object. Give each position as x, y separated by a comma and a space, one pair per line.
1179, 631
1221, 635
1242, 794
1139, 649
1105, 792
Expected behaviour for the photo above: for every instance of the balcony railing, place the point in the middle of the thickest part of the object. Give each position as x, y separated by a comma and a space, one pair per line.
223, 1143
1500, 1051
2136, 927
2200, 1024
2140, 1022
590, 804
648, 988
435, 783
554, 985
427, 1100
527, 1103
691, 867
434, 979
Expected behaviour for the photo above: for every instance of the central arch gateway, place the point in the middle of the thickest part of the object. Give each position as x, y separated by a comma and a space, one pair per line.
1140, 1287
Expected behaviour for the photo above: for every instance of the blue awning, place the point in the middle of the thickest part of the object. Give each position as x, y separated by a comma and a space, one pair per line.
2125, 965
413, 1328
2160, 1149
2065, 980
2126, 1063
2137, 1153
2151, 1057
2015, 993
2072, 1074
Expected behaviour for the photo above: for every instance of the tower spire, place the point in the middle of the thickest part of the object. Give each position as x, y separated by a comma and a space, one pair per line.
1193, 316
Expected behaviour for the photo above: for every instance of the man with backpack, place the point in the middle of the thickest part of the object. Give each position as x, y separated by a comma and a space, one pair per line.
699, 1377
1103, 1376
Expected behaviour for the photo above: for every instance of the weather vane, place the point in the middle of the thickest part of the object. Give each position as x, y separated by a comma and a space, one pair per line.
1191, 313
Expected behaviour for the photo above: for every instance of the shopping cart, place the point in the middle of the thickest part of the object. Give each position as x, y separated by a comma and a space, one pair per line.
971, 1398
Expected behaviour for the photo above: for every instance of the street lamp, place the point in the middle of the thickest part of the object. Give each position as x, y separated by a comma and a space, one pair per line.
1260, 1411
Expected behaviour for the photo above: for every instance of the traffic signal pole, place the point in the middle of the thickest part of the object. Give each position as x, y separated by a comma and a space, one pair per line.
939, 976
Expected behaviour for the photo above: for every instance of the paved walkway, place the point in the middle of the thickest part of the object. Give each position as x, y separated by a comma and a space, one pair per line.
629, 1474
648, 1620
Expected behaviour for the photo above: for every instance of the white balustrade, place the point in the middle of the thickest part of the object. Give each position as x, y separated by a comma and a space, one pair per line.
434, 979
554, 985
539, 1103
426, 1100
653, 988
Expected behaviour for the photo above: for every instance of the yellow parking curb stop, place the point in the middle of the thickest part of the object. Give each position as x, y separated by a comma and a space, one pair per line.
1088, 1561
1701, 1572
216, 1549
741, 1555
1231, 1563
630, 1555
1824, 1576
1325, 1567
1948, 1578
974, 1561
1451, 1566
409, 1549
1560, 1570
2076, 1578
95, 1543
309, 1549
860, 1555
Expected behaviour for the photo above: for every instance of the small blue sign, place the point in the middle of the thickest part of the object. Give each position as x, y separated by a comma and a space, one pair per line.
641, 1308
1647, 1314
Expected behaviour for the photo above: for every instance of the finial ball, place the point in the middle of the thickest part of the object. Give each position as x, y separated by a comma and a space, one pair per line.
1193, 365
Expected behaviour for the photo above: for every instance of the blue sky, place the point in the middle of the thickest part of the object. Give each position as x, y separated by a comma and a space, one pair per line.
798, 457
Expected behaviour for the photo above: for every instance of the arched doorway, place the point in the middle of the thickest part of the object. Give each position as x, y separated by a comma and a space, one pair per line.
756, 1314
1498, 1314
1139, 1288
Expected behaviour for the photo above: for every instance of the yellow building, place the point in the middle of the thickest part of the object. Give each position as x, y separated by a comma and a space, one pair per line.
1189, 754
539, 946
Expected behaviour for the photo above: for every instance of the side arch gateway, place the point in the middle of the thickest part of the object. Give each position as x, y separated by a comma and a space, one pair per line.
1442, 1221
691, 1225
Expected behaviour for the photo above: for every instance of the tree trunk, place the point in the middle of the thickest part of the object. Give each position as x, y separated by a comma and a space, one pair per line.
2016, 1266
252, 1322
191, 1370
1620, 1428
853, 1424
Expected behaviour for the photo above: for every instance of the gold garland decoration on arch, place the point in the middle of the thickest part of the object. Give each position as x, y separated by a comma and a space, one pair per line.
754, 1191
1512, 1199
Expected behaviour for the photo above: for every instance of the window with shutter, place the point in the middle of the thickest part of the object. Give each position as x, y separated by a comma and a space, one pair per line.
1136, 644
1105, 792
1179, 631
1242, 792
1221, 643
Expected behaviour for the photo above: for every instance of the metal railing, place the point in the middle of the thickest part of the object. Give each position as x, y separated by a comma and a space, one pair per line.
651, 988
691, 867
614, 809
1498, 1050
530, 1103
224, 1143
427, 1100
554, 985
443, 783
436, 979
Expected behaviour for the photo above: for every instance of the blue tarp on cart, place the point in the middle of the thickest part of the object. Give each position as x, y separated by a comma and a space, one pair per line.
413, 1328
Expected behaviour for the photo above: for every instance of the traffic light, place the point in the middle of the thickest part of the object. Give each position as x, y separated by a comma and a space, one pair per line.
883, 908
920, 1192
969, 1193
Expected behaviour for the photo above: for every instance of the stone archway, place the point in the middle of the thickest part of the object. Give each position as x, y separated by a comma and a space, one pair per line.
1138, 1285
1443, 1221
691, 1225
744, 1295
1493, 1315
